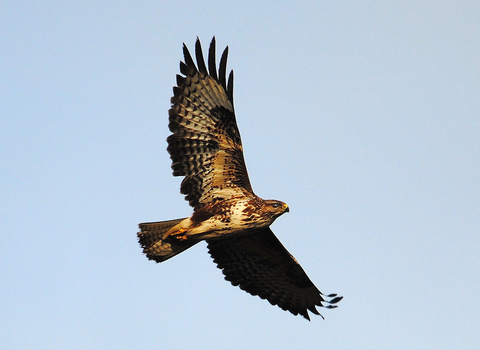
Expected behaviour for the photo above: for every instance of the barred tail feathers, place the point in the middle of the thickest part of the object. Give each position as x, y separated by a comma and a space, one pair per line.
150, 238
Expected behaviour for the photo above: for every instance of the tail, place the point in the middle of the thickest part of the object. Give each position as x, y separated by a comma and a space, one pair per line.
150, 238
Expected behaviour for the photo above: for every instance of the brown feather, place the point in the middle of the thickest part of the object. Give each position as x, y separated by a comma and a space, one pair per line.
205, 145
259, 264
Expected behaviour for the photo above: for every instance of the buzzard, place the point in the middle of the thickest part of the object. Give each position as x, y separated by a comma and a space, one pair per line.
205, 147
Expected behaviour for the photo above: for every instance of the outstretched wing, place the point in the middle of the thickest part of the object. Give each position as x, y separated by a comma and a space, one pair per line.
205, 146
260, 265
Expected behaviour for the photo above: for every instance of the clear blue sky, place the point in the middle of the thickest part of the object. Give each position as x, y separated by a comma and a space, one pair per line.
363, 116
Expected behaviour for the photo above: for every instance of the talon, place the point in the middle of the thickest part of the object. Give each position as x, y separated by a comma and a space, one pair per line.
178, 234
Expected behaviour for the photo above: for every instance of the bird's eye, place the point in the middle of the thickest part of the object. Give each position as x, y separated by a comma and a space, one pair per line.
275, 205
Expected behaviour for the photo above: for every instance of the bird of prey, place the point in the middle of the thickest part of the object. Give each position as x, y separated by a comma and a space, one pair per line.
206, 149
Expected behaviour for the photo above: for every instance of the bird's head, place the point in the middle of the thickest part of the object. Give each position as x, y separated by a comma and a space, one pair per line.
273, 209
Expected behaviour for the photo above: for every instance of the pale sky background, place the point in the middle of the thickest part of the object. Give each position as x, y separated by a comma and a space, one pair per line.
363, 116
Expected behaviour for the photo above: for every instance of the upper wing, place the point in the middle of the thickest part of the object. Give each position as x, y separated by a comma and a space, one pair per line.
259, 264
205, 146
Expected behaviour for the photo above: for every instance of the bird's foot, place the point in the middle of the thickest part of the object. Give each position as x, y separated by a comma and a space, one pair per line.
179, 235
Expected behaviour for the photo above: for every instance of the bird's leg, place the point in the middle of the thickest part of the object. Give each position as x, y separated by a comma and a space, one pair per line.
178, 231
180, 234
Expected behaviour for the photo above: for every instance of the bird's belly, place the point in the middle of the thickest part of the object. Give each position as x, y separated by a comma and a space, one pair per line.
234, 221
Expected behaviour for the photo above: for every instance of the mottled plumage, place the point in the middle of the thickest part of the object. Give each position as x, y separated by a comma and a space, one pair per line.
206, 149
